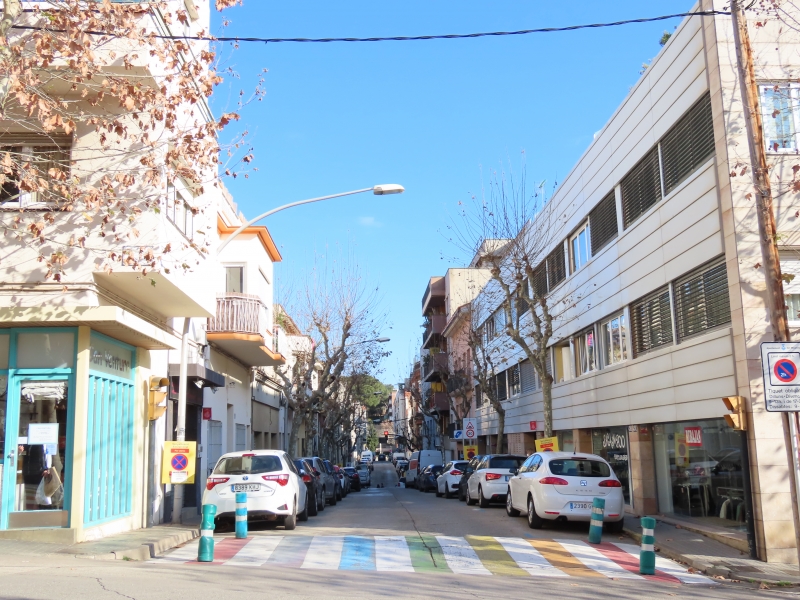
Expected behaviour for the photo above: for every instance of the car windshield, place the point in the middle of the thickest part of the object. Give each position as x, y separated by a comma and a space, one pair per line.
505, 462
300, 465
247, 465
363, 468
350, 470
582, 467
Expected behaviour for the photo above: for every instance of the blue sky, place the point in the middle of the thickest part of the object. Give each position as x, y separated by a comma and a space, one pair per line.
428, 115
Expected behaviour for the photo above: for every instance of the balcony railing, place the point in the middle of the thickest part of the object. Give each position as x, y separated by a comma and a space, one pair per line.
243, 313
434, 326
433, 363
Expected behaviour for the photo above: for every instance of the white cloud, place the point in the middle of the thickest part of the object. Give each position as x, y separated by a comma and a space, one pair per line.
369, 222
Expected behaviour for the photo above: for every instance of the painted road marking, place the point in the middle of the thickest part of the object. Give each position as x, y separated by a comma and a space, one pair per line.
596, 560
257, 552
559, 557
358, 554
669, 567
529, 558
460, 556
628, 562
291, 552
325, 552
494, 556
392, 554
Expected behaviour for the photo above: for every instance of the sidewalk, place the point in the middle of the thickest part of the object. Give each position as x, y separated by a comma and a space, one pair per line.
141, 544
712, 557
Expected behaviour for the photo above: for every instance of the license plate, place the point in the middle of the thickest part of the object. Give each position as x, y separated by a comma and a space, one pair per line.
246, 487
580, 505
507, 476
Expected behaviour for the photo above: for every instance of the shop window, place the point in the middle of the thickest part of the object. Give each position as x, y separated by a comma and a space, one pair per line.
556, 267
54, 350
780, 106
652, 322
701, 300
586, 348
615, 339
611, 443
603, 223
579, 247
688, 144
641, 188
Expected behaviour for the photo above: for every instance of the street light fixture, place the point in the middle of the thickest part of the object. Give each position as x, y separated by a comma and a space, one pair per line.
381, 340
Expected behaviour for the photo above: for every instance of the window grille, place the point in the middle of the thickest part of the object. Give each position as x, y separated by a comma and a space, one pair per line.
652, 322
701, 300
527, 376
688, 144
641, 188
603, 223
780, 108
556, 267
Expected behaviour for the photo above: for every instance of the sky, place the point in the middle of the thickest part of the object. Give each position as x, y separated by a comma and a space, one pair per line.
433, 116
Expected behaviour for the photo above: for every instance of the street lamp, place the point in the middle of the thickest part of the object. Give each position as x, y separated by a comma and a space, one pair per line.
380, 340
378, 190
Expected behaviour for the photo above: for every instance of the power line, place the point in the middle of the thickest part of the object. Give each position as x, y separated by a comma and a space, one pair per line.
415, 38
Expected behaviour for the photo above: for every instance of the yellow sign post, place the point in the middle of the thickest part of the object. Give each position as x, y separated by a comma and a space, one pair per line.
545, 444
470, 452
177, 465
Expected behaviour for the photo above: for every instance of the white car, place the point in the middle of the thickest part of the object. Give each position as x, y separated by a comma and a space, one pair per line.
560, 486
447, 482
489, 482
275, 490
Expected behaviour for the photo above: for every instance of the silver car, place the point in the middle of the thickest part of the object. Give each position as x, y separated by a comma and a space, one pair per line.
327, 479
364, 475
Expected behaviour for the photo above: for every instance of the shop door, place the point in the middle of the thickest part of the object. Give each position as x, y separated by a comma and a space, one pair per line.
34, 491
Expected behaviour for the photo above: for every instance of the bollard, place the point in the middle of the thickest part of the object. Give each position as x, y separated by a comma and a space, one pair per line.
596, 524
241, 515
647, 556
205, 551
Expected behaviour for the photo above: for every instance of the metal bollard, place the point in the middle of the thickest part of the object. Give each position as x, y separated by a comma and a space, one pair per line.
241, 515
205, 551
647, 556
596, 524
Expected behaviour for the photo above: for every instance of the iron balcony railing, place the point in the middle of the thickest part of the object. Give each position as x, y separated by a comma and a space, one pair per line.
243, 313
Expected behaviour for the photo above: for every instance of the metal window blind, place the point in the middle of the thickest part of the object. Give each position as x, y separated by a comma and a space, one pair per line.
522, 305
513, 376
540, 281
652, 322
688, 144
500, 386
527, 376
603, 223
556, 268
478, 396
701, 300
641, 188
548, 365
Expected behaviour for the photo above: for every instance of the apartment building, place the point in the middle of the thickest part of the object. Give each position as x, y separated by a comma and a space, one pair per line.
656, 253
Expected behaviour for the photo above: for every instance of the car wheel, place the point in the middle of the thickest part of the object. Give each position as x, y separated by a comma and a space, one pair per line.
615, 526
482, 502
534, 520
290, 522
510, 510
438, 493
321, 501
470, 501
461, 496
339, 494
303, 516
312, 505
447, 493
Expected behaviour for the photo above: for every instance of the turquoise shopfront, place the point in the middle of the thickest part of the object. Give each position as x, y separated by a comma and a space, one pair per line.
67, 428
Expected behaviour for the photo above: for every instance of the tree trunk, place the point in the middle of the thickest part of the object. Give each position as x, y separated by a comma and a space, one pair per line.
11, 10
297, 420
547, 402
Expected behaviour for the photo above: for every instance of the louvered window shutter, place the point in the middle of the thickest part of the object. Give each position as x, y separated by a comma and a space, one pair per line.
688, 144
603, 223
527, 376
540, 281
556, 267
502, 391
652, 322
701, 300
641, 188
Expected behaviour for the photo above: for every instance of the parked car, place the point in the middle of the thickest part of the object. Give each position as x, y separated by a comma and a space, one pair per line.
316, 501
355, 480
420, 460
489, 482
344, 480
328, 481
367, 456
364, 475
468, 471
401, 467
427, 479
398, 456
275, 490
448, 479
561, 485
330, 466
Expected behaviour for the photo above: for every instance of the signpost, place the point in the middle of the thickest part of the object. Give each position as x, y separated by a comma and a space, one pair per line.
470, 429
178, 462
780, 364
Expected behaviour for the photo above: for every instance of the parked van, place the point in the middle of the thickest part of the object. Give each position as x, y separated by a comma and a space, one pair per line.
420, 460
398, 456
367, 456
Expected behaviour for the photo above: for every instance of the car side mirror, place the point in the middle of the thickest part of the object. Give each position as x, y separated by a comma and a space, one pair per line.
514, 471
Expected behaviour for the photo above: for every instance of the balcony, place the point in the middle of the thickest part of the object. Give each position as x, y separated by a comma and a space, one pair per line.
439, 401
433, 365
434, 294
433, 329
242, 329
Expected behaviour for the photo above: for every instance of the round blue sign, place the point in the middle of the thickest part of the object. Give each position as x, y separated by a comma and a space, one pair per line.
785, 370
180, 462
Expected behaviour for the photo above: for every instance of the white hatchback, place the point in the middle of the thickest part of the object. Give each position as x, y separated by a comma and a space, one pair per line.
489, 482
560, 486
447, 482
275, 490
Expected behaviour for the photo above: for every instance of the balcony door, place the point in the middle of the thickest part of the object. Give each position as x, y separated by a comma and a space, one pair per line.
234, 280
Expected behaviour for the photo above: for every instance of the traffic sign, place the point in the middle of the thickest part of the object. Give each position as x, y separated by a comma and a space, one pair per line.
458, 434
470, 452
780, 364
179, 462
470, 429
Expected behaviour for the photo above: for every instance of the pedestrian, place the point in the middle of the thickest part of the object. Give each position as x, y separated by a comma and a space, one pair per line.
34, 471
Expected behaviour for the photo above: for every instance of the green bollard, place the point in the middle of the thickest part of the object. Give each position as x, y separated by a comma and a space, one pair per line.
596, 524
205, 551
647, 556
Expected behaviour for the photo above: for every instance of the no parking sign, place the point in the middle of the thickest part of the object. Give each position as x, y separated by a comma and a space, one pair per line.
177, 465
780, 363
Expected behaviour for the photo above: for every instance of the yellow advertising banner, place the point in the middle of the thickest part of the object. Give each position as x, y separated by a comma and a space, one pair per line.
177, 465
470, 452
545, 444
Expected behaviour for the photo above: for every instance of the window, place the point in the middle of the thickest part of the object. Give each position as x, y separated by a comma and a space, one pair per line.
234, 280
779, 105
514, 384
180, 211
241, 438
790, 270
478, 396
47, 163
615, 340
641, 188
540, 281
556, 267
500, 388
523, 305
586, 348
793, 306
582, 467
603, 223
579, 247
688, 144
564, 371
527, 377
701, 300
652, 322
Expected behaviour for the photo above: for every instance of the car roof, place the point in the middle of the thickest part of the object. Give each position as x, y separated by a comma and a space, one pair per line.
253, 453
556, 455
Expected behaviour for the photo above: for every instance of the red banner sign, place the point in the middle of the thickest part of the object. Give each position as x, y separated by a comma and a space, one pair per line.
207, 413
533, 425
694, 436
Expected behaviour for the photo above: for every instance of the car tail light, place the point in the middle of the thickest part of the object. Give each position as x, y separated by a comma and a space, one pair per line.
553, 481
282, 479
456, 472
307, 478
492, 476
212, 482
243, 455
610, 483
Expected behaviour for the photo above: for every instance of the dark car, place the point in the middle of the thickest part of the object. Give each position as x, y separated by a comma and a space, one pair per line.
314, 489
355, 480
427, 479
468, 471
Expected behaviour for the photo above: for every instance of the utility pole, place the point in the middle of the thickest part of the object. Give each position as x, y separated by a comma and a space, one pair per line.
770, 258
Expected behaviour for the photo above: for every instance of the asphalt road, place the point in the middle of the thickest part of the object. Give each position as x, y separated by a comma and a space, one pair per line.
379, 543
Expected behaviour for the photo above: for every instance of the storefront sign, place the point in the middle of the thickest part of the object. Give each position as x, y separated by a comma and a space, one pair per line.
547, 444
780, 364
111, 359
206, 413
533, 425
178, 462
42, 433
694, 436
614, 441
470, 452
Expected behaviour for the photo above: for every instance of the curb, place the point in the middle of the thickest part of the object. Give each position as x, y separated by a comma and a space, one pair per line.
147, 550
677, 556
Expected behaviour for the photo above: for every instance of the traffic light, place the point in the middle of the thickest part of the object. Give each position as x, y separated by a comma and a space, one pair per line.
737, 419
157, 397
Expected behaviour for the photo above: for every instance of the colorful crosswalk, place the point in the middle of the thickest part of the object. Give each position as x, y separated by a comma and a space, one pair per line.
468, 555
